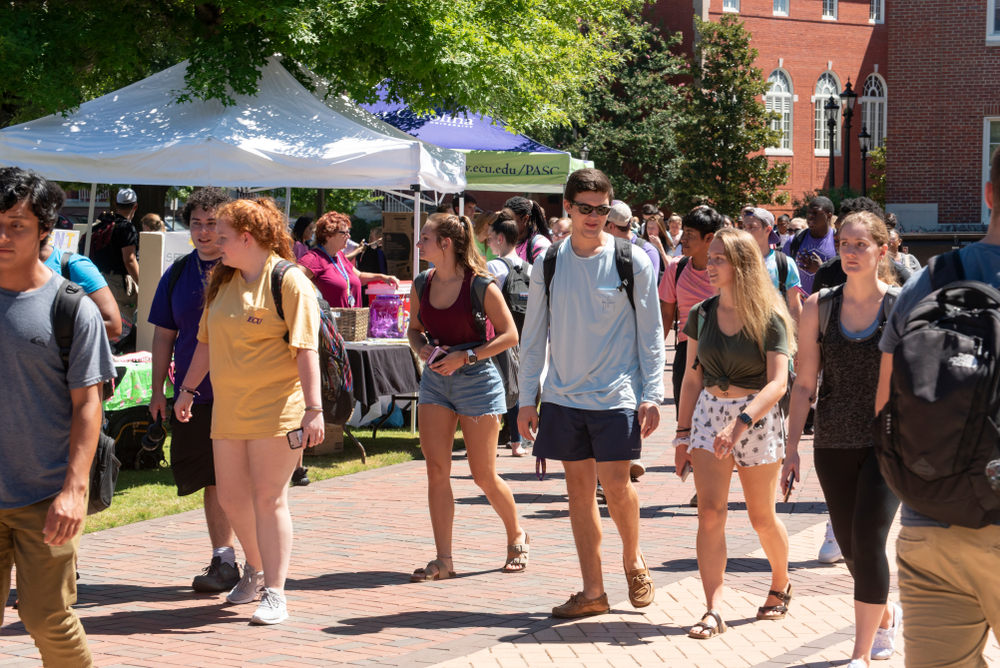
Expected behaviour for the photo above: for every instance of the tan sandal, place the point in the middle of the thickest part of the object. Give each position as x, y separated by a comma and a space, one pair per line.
425, 574
776, 612
517, 555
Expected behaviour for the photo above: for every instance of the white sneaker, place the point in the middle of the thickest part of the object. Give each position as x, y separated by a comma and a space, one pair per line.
272, 608
249, 588
885, 639
829, 552
636, 470
857, 663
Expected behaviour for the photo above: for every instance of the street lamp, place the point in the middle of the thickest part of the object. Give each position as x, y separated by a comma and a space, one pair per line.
864, 140
848, 97
585, 151
831, 108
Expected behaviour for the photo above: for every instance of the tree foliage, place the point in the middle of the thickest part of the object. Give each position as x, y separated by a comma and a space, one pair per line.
631, 116
522, 61
876, 172
725, 127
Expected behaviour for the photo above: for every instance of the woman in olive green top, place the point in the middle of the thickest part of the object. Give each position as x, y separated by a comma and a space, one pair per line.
481, 227
728, 415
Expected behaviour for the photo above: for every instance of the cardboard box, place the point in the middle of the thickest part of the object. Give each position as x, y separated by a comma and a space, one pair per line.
334, 442
398, 243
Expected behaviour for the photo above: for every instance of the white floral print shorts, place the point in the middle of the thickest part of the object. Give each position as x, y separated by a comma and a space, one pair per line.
764, 443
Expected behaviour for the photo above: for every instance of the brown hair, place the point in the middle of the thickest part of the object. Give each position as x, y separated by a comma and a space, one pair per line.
588, 180
880, 235
153, 222
660, 232
328, 224
483, 222
462, 234
263, 221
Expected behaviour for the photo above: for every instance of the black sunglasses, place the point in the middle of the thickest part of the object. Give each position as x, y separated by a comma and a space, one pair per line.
585, 209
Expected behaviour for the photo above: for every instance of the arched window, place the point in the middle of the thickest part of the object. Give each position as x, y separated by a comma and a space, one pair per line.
779, 99
827, 86
873, 115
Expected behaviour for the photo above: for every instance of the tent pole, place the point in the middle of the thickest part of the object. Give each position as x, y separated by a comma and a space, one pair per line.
461, 205
416, 230
563, 205
90, 217
288, 203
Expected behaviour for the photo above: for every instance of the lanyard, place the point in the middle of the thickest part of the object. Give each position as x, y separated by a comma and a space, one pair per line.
345, 274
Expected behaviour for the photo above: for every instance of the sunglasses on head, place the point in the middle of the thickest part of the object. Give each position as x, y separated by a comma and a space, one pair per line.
585, 209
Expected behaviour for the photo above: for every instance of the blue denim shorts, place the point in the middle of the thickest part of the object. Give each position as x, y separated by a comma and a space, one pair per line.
473, 390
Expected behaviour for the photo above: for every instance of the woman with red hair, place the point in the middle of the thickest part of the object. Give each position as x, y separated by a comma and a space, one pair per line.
336, 277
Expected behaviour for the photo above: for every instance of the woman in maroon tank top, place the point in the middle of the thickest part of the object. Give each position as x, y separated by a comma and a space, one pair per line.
460, 386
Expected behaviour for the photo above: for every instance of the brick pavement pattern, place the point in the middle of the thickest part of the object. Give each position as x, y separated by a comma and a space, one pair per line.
358, 537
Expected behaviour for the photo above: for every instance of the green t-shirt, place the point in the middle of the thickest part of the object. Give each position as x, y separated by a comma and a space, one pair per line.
733, 360
485, 251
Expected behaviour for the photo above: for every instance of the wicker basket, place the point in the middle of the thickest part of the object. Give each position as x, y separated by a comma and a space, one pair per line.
352, 323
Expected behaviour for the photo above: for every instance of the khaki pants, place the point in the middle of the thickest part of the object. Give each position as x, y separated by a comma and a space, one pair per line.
948, 585
126, 293
46, 586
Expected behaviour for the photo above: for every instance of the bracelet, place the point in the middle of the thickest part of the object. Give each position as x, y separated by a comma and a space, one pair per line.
193, 393
316, 409
679, 429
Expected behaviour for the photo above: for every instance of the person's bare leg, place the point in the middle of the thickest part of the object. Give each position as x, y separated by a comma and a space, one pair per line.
220, 531
712, 478
271, 466
581, 487
232, 485
759, 485
623, 505
867, 619
480, 435
437, 438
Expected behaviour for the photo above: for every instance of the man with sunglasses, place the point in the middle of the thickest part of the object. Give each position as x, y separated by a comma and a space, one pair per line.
610, 361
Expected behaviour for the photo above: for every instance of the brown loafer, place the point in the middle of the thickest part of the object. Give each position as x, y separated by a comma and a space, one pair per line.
640, 586
579, 605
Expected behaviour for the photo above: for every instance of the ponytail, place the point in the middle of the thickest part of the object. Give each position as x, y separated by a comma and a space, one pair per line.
461, 232
536, 222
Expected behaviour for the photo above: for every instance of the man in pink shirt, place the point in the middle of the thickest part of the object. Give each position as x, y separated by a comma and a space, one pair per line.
685, 282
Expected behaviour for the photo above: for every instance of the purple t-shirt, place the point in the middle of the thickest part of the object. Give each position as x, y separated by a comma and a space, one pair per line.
181, 312
824, 248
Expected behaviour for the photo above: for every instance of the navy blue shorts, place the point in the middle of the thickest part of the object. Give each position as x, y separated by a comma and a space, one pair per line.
574, 434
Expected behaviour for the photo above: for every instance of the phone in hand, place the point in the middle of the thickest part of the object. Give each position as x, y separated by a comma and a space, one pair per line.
789, 485
436, 355
295, 439
686, 471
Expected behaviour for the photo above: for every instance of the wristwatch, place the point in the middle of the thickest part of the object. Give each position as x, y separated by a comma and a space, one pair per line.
745, 419
472, 356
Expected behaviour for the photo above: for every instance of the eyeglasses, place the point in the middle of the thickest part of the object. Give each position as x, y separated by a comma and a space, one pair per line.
210, 227
585, 209
344, 232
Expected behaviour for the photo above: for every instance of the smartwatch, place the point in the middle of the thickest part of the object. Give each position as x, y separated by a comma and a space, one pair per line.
472, 356
745, 419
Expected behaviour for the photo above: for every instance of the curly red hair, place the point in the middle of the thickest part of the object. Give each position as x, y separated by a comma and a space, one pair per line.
329, 223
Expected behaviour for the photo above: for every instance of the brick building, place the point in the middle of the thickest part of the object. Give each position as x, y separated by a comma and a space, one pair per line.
808, 49
945, 117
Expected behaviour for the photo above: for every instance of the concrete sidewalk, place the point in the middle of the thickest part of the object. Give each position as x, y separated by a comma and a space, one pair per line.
357, 539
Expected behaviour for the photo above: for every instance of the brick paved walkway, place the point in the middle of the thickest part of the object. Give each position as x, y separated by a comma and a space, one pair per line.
358, 537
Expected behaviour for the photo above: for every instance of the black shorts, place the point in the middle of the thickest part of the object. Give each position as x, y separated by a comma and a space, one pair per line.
574, 434
192, 459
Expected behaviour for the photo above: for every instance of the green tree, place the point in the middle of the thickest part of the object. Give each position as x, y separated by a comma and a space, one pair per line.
630, 118
725, 127
876, 172
525, 62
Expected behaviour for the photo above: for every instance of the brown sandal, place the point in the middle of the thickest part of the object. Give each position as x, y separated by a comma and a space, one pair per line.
425, 574
767, 612
517, 555
712, 631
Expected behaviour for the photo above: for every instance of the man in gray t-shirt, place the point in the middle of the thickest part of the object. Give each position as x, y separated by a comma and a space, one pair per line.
49, 425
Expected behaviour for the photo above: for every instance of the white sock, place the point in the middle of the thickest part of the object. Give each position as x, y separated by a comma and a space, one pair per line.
227, 554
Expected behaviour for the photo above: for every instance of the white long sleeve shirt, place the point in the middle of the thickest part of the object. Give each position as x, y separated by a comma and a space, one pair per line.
602, 355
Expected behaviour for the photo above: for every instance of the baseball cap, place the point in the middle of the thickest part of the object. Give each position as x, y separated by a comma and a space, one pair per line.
127, 196
766, 217
621, 214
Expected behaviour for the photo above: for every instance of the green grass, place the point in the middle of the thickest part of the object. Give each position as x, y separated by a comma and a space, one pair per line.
144, 495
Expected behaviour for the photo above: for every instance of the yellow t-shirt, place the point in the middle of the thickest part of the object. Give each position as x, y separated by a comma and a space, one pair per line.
255, 377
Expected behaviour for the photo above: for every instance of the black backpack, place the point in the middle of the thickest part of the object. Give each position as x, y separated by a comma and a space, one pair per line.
104, 468
938, 432
623, 263
126, 428
797, 241
515, 291
507, 362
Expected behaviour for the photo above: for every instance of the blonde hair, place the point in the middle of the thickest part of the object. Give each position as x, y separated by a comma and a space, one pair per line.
263, 221
483, 221
756, 299
152, 223
462, 234
879, 233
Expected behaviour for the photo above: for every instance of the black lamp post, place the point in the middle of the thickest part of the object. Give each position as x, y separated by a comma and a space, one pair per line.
585, 151
831, 108
864, 140
848, 97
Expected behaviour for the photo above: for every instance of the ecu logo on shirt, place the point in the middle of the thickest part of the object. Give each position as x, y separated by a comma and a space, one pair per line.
254, 320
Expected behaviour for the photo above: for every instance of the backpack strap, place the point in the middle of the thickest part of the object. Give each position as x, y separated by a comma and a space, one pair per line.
797, 241
825, 303
64, 264
277, 280
64, 309
946, 268
683, 262
549, 265
176, 269
781, 260
888, 302
478, 292
419, 283
626, 272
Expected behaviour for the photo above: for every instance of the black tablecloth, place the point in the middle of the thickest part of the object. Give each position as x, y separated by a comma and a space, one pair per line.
381, 371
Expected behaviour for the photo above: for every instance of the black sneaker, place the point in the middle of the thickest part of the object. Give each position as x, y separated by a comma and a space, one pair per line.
219, 576
300, 478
